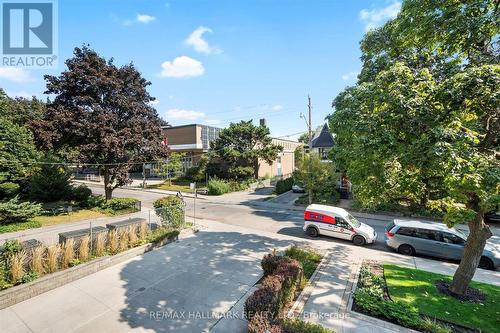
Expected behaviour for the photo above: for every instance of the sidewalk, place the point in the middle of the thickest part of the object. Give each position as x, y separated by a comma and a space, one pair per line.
328, 301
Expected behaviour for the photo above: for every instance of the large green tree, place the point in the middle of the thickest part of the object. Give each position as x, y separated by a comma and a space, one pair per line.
101, 115
423, 120
17, 150
239, 147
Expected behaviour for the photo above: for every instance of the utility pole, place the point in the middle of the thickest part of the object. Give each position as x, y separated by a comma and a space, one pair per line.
309, 106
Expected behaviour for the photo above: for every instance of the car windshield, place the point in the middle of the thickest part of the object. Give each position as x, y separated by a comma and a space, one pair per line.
352, 221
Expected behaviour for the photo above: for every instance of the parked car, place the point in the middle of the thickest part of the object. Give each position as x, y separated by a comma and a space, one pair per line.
434, 239
336, 222
492, 216
297, 189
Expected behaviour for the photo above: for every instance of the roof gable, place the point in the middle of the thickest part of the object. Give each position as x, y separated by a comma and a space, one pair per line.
323, 139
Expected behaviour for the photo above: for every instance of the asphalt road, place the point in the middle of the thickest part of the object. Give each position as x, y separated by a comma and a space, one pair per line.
281, 221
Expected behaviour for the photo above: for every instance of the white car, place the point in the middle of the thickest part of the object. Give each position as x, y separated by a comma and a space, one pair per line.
336, 222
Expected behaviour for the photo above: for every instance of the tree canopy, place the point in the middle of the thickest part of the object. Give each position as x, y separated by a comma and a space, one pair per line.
422, 123
101, 114
240, 145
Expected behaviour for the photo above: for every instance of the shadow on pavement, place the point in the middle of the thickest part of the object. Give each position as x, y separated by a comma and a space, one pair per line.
184, 286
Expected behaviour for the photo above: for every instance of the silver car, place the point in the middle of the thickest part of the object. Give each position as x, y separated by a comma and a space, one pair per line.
434, 239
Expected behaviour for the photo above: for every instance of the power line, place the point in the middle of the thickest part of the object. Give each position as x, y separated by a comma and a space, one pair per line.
116, 163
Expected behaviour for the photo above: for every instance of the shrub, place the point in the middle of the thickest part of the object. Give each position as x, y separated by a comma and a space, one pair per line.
432, 326
132, 236
198, 173
162, 233
16, 266
52, 262
100, 244
308, 259
68, 252
28, 277
36, 263
11, 247
171, 210
14, 211
123, 241
143, 230
284, 185
270, 262
84, 248
260, 323
81, 194
113, 241
292, 274
218, 186
265, 300
117, 204
8, 189
96, 201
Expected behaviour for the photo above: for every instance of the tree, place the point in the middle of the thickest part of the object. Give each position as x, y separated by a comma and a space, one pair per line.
423, 120
304, 138
49, 182
101, 115
313, 174
173, 166
17, 150
239, 147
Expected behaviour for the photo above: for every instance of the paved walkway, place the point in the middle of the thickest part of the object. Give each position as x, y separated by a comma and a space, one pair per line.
328, 302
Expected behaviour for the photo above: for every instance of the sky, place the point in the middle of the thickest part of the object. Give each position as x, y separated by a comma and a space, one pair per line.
219, 61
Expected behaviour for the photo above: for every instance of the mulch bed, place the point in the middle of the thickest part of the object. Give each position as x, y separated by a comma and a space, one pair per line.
471, 295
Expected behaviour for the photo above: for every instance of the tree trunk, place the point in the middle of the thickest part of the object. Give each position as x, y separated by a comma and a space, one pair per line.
479, 233
310, 196
108, 187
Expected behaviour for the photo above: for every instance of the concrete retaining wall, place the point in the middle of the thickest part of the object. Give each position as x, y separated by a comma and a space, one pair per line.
48, 282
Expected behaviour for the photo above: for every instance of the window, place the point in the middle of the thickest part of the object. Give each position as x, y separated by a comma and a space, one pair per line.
428, 234
405, 231
342, 223
452, 239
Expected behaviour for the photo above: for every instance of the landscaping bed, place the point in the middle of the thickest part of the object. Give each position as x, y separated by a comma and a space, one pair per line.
57, 212
415, 299
284, 278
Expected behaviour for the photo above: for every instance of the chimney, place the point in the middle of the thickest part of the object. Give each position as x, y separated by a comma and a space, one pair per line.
262, 122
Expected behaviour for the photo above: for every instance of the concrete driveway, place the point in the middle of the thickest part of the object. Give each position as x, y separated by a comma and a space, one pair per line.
183, 287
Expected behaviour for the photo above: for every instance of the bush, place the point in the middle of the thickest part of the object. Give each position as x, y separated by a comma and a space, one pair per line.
270, 262
96, 201
284, 185
198, 173
14, 211
8, 189
218, 186
171, 210
81, 194
307, 258
117, 204
260, 324
266, 300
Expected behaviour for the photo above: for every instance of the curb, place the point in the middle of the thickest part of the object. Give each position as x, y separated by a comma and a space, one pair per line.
353, 283
17, 294
301, 301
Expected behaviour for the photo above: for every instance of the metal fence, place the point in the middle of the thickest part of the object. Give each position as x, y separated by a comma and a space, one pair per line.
174, 217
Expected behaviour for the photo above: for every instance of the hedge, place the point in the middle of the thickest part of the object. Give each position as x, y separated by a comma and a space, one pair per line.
284, 185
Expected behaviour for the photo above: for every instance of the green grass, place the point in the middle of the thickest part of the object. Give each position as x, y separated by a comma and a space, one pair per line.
416, 288
12, 227
175, 185
309, 259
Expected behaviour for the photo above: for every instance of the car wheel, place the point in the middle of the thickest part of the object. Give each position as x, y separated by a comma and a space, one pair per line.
359, 240
312, 232
485, 263
406, 249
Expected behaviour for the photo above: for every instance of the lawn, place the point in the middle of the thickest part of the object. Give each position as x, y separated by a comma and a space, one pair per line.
81, 214
417, 288
176, 186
